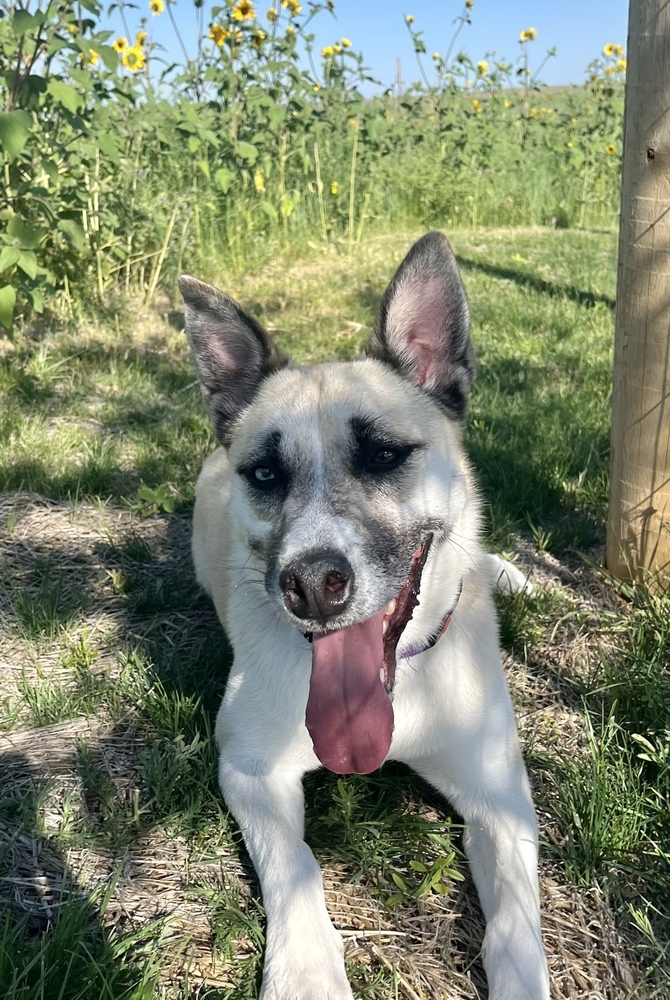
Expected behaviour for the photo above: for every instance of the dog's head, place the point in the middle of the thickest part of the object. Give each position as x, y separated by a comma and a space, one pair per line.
345, 473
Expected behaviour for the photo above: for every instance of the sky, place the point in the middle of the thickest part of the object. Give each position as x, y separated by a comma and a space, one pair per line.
577, 28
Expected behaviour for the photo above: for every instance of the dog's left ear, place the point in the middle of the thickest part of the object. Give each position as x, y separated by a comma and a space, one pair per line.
423, 328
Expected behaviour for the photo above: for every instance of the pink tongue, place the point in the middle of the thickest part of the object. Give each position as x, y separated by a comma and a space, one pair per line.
349, 714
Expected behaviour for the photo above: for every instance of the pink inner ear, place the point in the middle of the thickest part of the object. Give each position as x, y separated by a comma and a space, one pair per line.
415, 326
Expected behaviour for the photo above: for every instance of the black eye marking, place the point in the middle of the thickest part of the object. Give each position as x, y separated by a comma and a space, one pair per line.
263, 470
376, 451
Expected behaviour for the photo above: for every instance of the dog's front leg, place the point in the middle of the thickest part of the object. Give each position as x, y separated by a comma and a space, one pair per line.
303, 955
501, 844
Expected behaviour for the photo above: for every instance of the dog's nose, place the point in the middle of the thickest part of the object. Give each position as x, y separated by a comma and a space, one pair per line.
318, 585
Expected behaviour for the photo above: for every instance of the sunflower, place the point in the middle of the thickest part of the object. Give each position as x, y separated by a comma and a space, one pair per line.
618, 50
120, 45
217, 34
609, 49
477, 106
133, 59
532, 34
610, 150
156, 6
523, 37
410, 18
335, 188
293, 6
257, 39
140, 37
346, 44
470, 4
91, 59
328, 52
621, 65
244, 11
482, 68
271, 15
290, 31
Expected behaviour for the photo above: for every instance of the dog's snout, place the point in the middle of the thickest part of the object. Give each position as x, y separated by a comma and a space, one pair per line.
317, 586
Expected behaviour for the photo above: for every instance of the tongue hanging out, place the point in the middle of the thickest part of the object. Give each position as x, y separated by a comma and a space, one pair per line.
349, 712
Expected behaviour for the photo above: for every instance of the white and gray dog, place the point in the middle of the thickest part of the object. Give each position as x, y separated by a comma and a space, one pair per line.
336, 529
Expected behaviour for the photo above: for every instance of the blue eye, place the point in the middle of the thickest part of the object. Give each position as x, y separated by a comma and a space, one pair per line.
263, 475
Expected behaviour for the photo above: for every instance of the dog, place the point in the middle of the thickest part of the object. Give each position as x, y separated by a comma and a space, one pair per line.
336, 529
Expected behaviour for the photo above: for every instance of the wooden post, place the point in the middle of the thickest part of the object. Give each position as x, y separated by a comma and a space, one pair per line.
638, 530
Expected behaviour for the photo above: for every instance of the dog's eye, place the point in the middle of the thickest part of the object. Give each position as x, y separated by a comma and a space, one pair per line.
385, 456
263, 474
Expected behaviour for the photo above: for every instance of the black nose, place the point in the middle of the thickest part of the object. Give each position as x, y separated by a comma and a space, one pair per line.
318, 585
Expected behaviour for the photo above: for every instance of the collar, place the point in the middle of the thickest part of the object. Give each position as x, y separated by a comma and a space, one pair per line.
436, 635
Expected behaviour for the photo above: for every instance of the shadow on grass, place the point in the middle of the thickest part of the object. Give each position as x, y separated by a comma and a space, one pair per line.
578, 295
52, 941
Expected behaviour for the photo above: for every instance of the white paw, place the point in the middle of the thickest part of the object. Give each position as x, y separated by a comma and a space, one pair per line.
507, 577
313, 971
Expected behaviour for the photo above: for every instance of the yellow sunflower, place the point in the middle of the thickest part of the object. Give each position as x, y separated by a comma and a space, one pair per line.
470, 4
328, 52
621, 65
410, 18
532, 34
482, 68
257, 39
618, 50
293, 6
335, 188
477, 106
217, 34
609, 49
140, 37
120, 45
271, 15
523, 37
133, 59
610, 150
156, 6
244, 11
346, 44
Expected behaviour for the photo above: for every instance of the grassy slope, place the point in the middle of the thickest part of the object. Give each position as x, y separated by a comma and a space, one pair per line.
102, 622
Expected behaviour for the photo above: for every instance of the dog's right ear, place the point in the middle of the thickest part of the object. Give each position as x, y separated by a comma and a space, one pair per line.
233, 354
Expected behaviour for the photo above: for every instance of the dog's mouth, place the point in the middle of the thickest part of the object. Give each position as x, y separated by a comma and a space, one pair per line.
349, 712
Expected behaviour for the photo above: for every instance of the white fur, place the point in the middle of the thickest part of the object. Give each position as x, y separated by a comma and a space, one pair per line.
453, 724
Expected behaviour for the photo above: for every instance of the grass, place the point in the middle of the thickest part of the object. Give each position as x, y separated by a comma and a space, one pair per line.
121, 874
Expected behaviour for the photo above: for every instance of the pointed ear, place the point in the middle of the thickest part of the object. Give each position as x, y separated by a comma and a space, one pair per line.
232, 352
423, 328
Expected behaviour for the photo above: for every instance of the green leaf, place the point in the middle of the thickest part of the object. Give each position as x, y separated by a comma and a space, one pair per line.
418, 866
9, 257
399, 881
223, 178
28, 263
23, 22
64, 94
203, 165
286, 205
36, 299
108, 56
247, 152
73, 233
14, 129
193, 144
269, 210
25, 235
7, 303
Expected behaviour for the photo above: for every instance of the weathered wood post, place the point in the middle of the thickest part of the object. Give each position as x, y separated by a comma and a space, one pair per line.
638, 530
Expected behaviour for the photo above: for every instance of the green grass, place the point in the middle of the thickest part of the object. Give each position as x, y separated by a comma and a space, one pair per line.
100, 618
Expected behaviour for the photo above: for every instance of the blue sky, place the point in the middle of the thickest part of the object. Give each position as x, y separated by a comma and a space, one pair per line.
577, 28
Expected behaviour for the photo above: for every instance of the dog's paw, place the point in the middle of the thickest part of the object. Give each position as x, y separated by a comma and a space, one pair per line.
507, 577
321, 975
302, 984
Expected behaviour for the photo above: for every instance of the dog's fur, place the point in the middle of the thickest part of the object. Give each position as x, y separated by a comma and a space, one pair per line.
303, 479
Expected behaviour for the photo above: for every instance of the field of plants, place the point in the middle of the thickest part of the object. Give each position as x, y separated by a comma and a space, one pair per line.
121, 170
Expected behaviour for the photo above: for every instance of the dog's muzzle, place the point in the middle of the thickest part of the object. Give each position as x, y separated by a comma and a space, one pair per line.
318, 586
